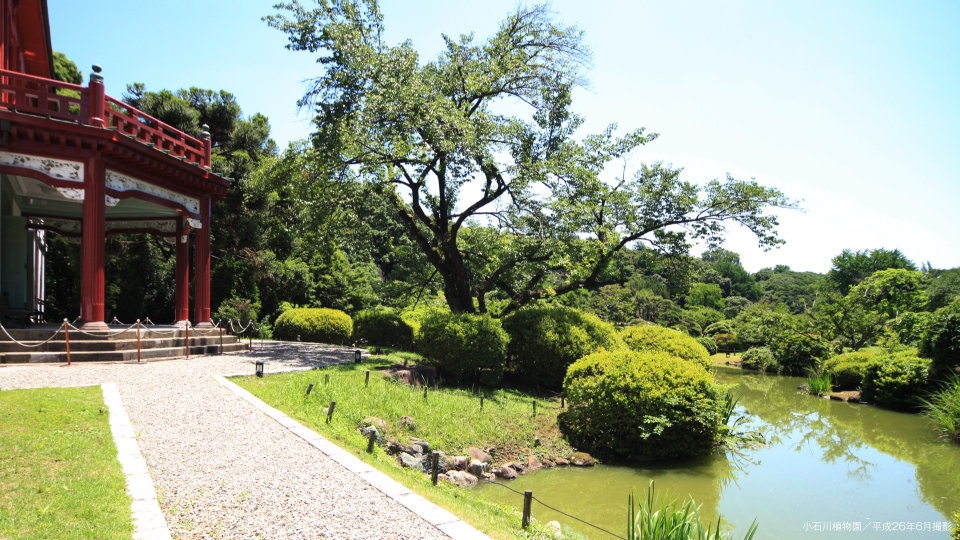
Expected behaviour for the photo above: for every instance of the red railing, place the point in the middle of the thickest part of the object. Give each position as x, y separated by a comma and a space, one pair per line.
74, 103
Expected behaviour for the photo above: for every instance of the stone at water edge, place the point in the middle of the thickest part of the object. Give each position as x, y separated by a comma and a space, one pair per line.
380, 423
408, 423
555, 527
479, 455
519, 467
416, 441
394, 447
477, 468
489, 476
533, 463
548, 462
367, 431
507, 473
443, 466
582, 459
561, 462
460, 478
458, 462
413, 463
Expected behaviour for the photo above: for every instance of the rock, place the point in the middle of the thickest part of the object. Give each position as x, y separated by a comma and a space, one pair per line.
380, 423
548, 463
489, 476
477, 468
519, 467
836, 398
853, 399
458, 462
414, 375
442, 460
582, 459
412, 462
424, 445
490, 449
394, 447
536, 441
418, 450
479, 455
802, 388
460, 478
533, 463
370, 430
507, 473
408, 423
555, 528
561, 462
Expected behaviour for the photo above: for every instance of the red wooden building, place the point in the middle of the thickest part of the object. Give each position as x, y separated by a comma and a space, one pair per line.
79, 163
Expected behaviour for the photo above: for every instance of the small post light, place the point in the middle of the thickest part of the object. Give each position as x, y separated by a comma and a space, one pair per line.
260, 368
356, 356
378, 348
298, 338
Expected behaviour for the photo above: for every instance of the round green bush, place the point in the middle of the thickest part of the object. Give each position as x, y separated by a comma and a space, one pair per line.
798, 354
318, 325
641, 406
847, 370
897, 381
466, 348
941, 339
721, 327
545, 341
658, 338
709, 344
384, 327
758, 358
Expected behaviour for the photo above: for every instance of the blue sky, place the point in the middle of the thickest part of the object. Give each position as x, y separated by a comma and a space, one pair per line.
851, 106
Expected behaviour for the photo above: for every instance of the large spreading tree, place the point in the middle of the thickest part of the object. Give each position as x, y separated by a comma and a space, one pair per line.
497, 198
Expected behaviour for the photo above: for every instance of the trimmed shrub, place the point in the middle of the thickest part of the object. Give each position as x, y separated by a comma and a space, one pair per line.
847, 370
641, 406
318, 325
758, 358
465, 347
798, 354
941, 339
658, 338
545, 341
721, 327
708, 344
383, 326
897, 381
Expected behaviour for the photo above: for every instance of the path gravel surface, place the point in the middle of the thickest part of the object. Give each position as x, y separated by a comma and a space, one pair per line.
221, 468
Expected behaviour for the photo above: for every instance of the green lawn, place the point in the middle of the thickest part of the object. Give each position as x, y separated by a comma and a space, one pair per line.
450, 419
59, 474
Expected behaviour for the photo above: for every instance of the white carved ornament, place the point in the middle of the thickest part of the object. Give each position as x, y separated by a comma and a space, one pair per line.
64, 225
71, 171
122, 182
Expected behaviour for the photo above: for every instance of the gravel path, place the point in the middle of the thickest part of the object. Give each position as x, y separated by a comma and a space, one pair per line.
221, 468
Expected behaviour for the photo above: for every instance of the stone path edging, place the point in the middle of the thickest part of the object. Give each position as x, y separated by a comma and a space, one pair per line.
149, 522
446, 522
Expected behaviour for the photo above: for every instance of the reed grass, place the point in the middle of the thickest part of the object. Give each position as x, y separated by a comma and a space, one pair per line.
662, 518
818, 383
943, 410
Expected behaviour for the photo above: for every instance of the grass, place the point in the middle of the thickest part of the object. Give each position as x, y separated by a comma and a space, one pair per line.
721, 359
818, 383
663, 519
59, 474
449, 418
943, 410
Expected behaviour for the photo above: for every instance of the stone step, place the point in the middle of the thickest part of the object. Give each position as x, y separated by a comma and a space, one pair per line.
60, 345
117, 356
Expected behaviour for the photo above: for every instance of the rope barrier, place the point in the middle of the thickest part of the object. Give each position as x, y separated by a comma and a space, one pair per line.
558, 511
127, 329
115, 320
148, 321
22, 344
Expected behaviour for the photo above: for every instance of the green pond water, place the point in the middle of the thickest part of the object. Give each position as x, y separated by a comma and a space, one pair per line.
831, 470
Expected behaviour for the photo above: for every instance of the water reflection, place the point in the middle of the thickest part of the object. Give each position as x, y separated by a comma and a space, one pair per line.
826, 462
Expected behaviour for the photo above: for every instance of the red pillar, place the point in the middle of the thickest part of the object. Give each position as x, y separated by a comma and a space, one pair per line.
183, 273
201, 287
94, 224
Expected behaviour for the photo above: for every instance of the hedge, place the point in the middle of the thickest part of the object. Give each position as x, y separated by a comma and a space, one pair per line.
384, 327
709, 344
847, 370
897, 381
544, 342
641, 406
758, 358
464, 347
658, 338
319, 325
941, 339
798, 354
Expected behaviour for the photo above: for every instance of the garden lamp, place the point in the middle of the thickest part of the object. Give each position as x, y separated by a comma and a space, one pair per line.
356, 356
260, 368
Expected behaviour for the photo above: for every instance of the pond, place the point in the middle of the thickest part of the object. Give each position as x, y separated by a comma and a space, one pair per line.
831, 468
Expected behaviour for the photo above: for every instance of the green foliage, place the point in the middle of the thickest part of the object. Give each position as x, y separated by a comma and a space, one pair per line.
470, 349
797, 290
660, 339
383, 326
798, 354
943, 287
897, 381
910, 326
941, 339
237, 309
721, 327
943, 409
65, 70
706, 295
318, 325
704, 316
764, 323
544, 342
642, 405
733, 305
758, 358
847, 370
709, 344
660, 519
850, 268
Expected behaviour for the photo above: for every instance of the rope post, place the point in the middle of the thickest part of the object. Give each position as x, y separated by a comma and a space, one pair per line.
138, 341
366, 381
326, 379
534, 407
481, 403
561, 401
221, 338
187, 340
372, 441
309, 389
436, 466
66, 335
527, 502
333, 405
250, 346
